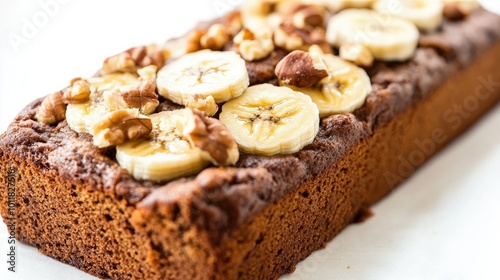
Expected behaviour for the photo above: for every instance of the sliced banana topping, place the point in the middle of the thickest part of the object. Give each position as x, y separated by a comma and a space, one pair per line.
270, 120
120, 126
113, 92
166, 153
222, 75
343, 91
181, 143
388, 38
82, 116
425, 14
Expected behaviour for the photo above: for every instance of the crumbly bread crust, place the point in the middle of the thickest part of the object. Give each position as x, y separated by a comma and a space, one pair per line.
256, 220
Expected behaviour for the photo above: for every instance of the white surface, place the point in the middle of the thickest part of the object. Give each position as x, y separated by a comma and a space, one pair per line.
443, 223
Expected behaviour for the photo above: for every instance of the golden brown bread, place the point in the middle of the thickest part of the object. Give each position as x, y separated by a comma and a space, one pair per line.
101, 221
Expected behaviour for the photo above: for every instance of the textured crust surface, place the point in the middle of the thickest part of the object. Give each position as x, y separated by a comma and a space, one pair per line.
77, 205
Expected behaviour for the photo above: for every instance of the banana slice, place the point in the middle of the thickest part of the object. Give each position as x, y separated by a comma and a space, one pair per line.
166, 153
270, 120
425, 14
81, 117
114, 92
343, 91
222, 75
392, 39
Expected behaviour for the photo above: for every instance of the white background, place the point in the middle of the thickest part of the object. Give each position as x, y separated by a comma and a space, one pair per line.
443, 223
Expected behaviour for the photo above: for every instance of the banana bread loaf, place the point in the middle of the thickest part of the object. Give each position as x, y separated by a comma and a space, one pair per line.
258, 216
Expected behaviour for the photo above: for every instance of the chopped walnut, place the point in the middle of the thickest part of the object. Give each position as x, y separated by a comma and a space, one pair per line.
119, 126
147, 73
77, 92
301, 69
287, 41
213, 138
302, 26
243, 35
309, 15
254, 45
292, 38
141, 96
233, 22
193, 39
52, 110
204, 104
118, 63
131, 59
357, 53
216, 38
126, 90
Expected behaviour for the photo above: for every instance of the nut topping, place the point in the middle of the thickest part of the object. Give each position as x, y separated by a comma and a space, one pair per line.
233, 22
120, 126
302, 26
131, 59
213, 138
301, 69
291, 38
143, 97
193, 39
311, 15
215, 38
357, 53
205, 104
254, 45
77, 92
52, 110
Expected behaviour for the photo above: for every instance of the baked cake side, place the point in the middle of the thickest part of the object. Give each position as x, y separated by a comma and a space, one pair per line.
259, 218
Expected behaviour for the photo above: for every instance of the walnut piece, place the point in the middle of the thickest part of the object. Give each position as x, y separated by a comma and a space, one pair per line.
357, 53
216, 38
254, 45
143, 97
308, 15
301, 69
133, 58
302, 26
52, 110
213, 138
233, 22
193, 40
119, 126
205, 104
126, 90
147, 73
77, 92
291, 38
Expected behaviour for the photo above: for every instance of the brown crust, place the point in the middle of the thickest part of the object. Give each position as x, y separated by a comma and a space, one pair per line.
216, 203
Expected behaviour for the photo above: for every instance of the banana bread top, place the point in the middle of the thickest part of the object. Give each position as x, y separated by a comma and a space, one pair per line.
223, 198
